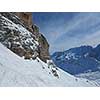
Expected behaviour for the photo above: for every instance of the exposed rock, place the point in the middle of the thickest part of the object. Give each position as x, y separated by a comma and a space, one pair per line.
20, 51
26, 18
28, 55
15, 36
43, 48
20, 35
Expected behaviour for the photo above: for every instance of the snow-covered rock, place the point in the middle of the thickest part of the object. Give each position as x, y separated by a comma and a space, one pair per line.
20, 35
15, 36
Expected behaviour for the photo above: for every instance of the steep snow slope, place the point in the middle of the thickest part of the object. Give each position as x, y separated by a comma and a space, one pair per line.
15, 71
93, 76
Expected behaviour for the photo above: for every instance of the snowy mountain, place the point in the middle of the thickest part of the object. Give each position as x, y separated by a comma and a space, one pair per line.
81, 61
15, 36
24, 56
21, 36
16, 71
92, 76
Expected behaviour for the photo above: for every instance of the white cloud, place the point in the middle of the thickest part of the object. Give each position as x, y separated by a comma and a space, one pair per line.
92, 39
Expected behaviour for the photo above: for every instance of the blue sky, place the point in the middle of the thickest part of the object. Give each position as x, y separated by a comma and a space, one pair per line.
66, 30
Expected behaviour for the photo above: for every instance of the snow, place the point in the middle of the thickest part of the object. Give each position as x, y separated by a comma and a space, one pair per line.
93, 76
71, 55
24, 32
9, 24
25, 35
15, 71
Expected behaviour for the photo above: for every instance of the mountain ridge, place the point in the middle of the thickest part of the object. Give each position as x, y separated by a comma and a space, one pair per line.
83, 61
23, 36
24, 57
80, 54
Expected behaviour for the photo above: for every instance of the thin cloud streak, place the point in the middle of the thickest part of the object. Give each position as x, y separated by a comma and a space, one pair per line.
67, 30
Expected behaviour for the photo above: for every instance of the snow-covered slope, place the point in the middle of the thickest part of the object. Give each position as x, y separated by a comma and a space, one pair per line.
81, 61
93, 76
15, 71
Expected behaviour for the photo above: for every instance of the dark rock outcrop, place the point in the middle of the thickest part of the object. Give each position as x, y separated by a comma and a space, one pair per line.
43, 48
26, 19
19, 34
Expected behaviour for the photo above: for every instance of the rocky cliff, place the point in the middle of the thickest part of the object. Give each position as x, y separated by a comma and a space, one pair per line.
29, 43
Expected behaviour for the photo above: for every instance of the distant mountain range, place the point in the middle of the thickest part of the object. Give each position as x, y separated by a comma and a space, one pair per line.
81, 61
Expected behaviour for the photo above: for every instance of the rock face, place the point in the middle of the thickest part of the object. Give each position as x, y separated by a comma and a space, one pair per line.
43, 48
26, 18
19, 34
